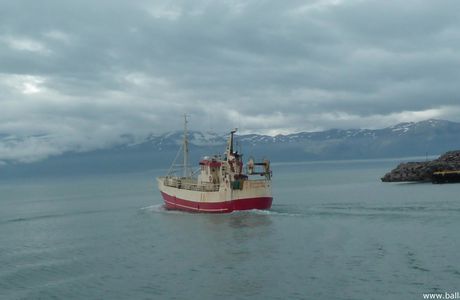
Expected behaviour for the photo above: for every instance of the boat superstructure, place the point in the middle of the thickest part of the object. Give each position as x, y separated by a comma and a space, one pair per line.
221, 184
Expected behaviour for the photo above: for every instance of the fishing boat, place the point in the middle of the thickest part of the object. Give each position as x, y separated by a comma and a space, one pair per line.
221, 183
447, 176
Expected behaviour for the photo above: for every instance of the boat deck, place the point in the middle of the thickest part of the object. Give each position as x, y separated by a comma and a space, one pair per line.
190, 184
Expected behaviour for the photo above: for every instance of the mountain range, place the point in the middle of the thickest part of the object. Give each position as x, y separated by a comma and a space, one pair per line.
430, 137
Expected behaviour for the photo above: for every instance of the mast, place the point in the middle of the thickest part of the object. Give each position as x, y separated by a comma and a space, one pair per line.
185, 147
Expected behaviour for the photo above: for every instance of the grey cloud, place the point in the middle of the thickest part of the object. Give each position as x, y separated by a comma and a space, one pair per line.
95, 70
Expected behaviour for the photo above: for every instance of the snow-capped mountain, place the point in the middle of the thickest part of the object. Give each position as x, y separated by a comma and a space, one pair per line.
429, 129
406, 139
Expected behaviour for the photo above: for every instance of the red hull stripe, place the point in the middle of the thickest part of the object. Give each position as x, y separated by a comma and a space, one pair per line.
175, 203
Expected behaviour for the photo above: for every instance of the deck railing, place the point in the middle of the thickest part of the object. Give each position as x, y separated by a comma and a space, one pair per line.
190, 184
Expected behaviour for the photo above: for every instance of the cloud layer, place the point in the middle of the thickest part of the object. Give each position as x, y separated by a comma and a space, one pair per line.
86, 72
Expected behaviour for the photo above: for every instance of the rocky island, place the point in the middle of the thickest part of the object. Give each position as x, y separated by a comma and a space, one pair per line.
423, 171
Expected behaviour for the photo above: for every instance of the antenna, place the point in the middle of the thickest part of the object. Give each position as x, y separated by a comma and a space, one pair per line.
239, 122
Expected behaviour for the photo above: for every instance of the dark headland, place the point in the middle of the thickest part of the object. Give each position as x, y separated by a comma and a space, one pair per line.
423, 171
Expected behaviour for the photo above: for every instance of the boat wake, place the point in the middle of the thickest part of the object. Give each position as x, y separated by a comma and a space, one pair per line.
260, 212
160, 208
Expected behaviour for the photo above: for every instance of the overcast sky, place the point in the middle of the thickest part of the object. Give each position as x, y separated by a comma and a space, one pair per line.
86, 71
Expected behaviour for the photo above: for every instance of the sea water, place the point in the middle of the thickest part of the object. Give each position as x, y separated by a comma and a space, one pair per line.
334, 231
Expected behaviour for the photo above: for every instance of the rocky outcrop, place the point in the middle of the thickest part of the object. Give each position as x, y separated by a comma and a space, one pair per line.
423, 171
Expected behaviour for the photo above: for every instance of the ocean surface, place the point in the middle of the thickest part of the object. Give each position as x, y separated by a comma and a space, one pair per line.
334, 232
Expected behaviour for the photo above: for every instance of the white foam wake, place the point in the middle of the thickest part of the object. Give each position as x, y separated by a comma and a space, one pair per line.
160, 208
267, 213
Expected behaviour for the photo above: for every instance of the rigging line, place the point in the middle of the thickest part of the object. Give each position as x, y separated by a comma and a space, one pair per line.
174, 161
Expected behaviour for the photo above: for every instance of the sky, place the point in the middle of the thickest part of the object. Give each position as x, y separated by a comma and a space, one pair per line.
83, 74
